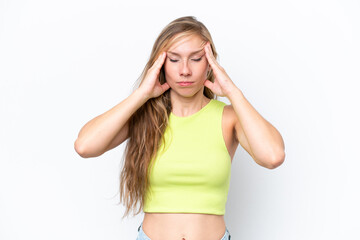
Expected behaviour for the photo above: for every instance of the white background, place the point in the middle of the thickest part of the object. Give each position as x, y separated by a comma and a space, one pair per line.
64, 62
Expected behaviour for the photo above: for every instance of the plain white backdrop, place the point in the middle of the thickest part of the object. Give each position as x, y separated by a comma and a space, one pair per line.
64, 62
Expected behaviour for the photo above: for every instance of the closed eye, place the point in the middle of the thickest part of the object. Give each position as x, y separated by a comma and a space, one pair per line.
197, 60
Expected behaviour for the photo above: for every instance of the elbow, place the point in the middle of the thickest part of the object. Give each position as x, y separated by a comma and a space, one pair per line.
81, 149
277, 160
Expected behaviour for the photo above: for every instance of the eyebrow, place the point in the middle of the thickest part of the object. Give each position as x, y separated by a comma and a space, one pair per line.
192, 53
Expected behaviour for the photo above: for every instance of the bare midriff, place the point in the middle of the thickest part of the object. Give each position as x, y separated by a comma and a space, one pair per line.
183, 226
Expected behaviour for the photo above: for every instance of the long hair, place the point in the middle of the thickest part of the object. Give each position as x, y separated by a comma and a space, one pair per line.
147, 125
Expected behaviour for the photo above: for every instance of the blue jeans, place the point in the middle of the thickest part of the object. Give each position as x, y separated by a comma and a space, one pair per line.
143, 236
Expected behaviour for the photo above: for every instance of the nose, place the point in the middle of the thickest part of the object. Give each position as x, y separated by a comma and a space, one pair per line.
184, 69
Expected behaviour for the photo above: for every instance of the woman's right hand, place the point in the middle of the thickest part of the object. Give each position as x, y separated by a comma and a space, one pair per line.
151, 86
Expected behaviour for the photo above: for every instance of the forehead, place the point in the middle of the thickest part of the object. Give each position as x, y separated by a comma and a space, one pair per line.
187, 46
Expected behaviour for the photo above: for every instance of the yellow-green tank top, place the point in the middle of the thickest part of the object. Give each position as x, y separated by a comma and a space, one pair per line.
192, 173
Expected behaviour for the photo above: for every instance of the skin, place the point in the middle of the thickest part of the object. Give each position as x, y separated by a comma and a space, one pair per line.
187, 100
241, 124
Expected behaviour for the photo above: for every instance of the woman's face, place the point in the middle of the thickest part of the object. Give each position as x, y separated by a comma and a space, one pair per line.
186, 62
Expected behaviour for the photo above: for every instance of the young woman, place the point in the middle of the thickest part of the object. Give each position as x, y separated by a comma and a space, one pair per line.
181, 139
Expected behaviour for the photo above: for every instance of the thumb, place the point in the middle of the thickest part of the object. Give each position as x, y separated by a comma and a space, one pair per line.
208, 84
165, 86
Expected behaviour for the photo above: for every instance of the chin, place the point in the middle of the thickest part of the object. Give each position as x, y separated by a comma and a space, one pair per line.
186, 91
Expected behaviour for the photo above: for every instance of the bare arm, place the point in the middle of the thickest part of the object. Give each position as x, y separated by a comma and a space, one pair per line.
259, 137
110, 129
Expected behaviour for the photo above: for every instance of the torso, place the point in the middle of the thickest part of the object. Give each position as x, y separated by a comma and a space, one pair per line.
189, 226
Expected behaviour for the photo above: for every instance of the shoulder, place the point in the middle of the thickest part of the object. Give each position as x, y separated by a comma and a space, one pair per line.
228, 112
229, 115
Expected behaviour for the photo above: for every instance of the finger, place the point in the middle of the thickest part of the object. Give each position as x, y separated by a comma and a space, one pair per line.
165, 86
211, 54
160, 61
157, 60
210, 58
209, 84
208, 51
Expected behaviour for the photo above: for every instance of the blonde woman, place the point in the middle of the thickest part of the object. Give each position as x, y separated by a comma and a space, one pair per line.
181, 139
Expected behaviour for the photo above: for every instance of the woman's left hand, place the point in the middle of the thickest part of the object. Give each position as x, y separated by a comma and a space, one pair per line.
222, 85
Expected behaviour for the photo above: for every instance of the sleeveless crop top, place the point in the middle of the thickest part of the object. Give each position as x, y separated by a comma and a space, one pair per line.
191, 174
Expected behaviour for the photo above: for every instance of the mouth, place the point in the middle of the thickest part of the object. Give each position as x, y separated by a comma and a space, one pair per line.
185, 83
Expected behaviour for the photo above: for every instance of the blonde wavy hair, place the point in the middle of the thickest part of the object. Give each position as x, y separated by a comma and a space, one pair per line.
147, 125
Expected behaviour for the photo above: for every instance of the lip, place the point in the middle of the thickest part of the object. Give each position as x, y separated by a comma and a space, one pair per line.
185, 83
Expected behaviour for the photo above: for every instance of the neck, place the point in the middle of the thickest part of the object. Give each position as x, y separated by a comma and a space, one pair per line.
185, 106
